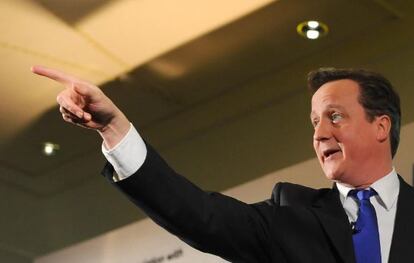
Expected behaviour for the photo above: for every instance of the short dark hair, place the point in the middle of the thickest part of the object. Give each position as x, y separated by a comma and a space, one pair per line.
377, 95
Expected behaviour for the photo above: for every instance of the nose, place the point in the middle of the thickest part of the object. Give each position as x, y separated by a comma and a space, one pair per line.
322, 131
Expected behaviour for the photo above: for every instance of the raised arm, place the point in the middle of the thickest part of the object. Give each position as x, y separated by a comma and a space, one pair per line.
210, 222
84, 104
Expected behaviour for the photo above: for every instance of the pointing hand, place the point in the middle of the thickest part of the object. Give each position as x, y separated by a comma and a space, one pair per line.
84, 104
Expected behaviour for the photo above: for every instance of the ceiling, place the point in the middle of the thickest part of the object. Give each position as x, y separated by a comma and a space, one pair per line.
213, 85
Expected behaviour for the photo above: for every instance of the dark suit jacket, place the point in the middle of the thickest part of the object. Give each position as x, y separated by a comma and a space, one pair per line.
297, 224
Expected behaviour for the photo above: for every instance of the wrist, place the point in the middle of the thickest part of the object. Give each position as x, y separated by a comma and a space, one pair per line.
115, 130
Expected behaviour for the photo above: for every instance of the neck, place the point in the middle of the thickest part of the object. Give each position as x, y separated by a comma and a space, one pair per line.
367, 179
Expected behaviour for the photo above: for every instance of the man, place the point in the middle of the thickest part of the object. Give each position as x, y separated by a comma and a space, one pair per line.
365, 217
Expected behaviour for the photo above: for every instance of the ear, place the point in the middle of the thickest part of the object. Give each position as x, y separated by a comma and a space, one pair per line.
383, 127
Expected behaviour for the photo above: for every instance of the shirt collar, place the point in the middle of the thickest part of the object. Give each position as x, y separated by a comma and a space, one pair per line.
387, 189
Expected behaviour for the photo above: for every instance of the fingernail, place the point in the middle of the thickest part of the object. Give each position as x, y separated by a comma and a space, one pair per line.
79, 114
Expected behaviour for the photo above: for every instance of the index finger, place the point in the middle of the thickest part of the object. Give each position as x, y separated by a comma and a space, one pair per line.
54, 74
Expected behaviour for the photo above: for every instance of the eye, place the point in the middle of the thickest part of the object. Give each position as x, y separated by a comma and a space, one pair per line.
315, 122
336, 117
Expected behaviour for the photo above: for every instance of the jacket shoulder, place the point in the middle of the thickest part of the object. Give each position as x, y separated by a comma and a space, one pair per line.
288, 194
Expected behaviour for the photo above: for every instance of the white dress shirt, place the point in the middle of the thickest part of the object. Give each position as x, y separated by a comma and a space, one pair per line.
385, 204
130, 153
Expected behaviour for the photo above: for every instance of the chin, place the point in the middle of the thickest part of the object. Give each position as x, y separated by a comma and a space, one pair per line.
333, 175
330, 176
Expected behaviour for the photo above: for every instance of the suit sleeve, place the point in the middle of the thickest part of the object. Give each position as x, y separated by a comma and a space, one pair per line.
208, 221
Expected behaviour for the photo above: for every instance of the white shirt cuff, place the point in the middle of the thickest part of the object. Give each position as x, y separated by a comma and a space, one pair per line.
128, 155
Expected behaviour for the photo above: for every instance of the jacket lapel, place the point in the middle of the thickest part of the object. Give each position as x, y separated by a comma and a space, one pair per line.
403, 237
335, 222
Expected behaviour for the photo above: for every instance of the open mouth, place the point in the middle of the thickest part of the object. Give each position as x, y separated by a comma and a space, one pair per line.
328, 154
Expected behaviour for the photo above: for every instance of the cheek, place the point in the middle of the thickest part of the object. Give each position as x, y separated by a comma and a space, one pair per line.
357, 146
315, 148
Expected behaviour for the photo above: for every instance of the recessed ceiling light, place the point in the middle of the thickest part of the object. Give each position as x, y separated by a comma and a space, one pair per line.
312, 29
313, 24
312, 34
50, 149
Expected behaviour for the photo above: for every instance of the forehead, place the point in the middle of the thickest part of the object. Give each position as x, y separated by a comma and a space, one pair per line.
342, 93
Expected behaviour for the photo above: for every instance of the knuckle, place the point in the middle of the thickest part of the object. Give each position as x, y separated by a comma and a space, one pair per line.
62, 110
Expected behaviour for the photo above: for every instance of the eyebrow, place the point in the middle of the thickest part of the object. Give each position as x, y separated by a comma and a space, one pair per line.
328, 107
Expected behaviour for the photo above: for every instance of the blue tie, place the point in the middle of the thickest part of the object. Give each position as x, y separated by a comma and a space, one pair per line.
366, 236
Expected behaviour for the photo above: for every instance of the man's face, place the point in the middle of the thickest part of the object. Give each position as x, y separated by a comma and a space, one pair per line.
344, 139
